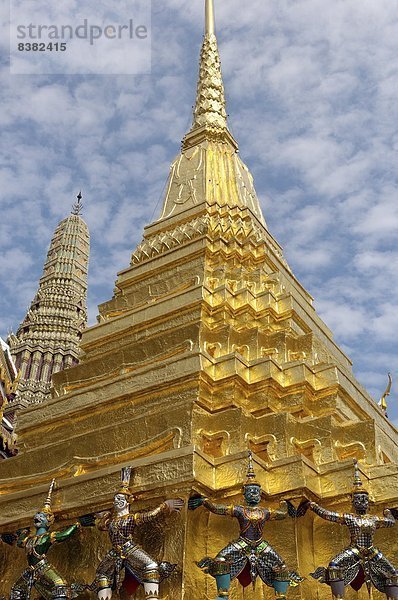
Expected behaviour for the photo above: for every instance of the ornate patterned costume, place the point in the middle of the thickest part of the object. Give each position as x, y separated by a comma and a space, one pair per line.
126, 554
361, 561
40, 575
250, 555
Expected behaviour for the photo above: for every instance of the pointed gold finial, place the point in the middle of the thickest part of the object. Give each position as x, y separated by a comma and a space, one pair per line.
383, 400
210, 114
210, 27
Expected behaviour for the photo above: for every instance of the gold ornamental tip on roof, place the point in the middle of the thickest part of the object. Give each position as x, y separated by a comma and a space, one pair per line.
210, 21
383, 400
358, 485
210, 108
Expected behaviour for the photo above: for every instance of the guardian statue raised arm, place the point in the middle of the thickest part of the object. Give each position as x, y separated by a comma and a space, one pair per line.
40, 574
360, 562
250, 555
126, 563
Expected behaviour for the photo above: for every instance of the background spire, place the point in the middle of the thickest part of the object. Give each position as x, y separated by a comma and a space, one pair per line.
47, 341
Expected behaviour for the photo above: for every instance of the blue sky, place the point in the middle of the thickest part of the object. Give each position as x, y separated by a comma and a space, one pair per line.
312, 97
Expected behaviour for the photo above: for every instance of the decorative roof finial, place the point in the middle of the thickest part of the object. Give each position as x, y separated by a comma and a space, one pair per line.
210, 27
383, 400
210, 108
78, 206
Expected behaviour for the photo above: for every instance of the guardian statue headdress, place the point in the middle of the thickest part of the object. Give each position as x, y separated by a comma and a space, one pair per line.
358, 485
47, 510
250, 476
125, 476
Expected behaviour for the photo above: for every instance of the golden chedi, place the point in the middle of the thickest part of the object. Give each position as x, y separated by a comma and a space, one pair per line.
209, 347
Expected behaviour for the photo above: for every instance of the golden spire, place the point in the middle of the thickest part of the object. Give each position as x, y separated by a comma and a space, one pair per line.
210, 110
210, 27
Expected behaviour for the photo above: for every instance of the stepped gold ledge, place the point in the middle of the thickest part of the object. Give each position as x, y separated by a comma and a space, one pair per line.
305, 308
162, 264
379, 415
125, 385
77, 466
218, 235
378, 475
285, 478
325, 377
290, 477
319, 439
187, 364
97, 487
148, 315
303, 321
213, 227
192, 250
173, 433
150, 439
225, 474
292, 375
214, 221
150, 311
157, 314
206, 133
252, 372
